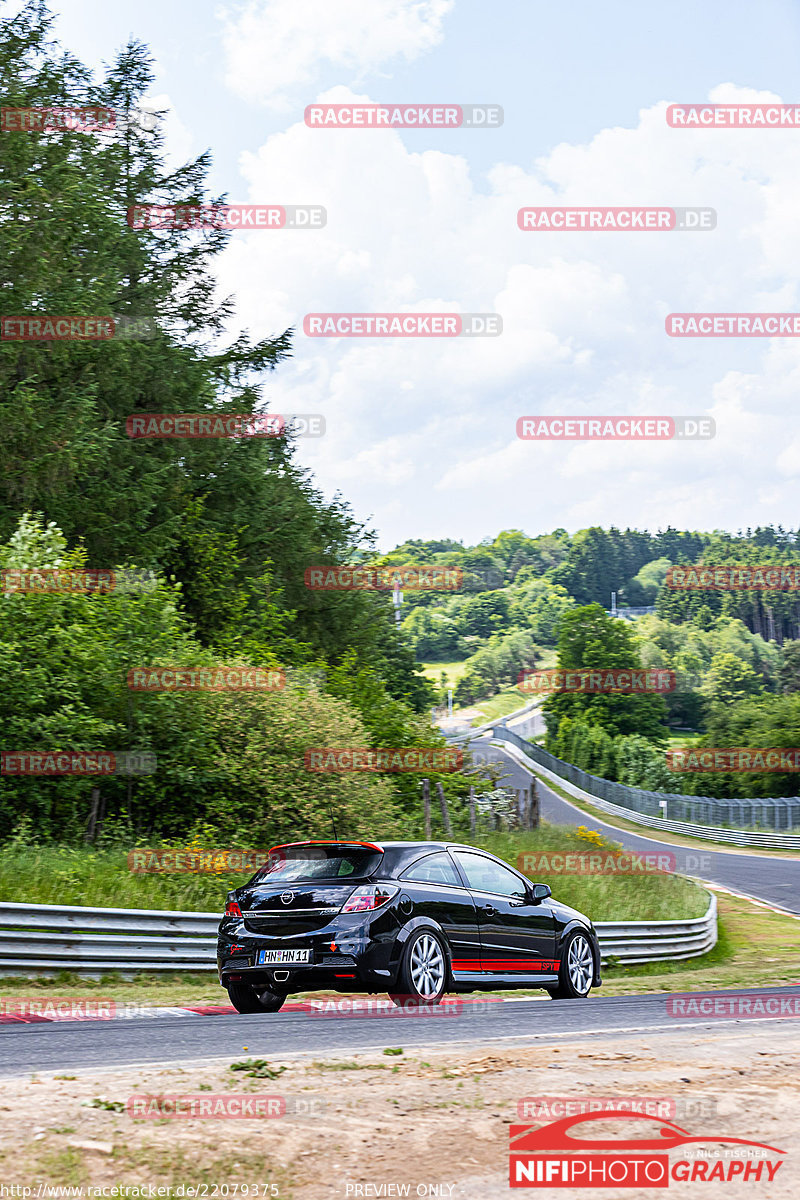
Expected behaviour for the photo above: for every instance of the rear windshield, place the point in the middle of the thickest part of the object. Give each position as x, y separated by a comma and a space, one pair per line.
319, 862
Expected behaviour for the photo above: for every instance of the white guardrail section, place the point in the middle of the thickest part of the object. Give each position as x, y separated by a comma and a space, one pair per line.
42, 939
715, 833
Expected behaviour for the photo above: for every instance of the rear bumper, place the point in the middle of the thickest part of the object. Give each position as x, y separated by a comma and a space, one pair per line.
347, 957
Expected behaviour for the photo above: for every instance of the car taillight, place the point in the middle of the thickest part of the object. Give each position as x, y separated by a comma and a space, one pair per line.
365, 899
232, 909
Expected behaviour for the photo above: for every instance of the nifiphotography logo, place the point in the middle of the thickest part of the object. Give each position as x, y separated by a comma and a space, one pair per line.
553, 1156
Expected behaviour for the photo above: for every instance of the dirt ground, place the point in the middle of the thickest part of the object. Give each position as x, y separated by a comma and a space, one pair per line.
375, 1124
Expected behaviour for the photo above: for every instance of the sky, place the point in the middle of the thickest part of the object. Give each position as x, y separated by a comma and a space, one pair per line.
421, 433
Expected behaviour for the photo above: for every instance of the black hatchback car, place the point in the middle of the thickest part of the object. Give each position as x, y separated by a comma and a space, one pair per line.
414, 919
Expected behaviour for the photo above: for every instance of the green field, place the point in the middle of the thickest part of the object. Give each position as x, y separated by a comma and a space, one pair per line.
491, 708
505, 702
433, 671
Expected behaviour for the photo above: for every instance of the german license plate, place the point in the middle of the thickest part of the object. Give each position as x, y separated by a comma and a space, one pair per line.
268, 957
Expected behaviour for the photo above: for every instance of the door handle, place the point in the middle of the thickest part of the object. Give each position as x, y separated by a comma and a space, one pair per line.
489, 909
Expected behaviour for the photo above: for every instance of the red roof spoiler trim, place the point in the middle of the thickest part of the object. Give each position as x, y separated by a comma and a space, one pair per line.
286, 845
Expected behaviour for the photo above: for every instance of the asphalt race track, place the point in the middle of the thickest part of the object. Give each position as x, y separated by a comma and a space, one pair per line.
165, 1040
773, 879
58, 1046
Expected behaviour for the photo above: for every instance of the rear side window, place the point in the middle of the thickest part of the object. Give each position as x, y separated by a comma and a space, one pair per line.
484, 875
435, 868
296, 863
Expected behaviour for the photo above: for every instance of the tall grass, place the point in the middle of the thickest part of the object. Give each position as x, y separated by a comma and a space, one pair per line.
57, 874
53, 874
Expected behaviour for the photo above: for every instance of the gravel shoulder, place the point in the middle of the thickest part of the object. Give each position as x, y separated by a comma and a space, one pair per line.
421, 1118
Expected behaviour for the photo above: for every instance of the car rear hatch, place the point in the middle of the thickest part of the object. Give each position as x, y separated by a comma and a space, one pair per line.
305, 885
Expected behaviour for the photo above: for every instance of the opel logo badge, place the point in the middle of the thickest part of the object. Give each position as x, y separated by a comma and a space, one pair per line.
287, 897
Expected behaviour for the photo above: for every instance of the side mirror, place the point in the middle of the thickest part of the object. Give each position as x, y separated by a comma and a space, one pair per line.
540, 892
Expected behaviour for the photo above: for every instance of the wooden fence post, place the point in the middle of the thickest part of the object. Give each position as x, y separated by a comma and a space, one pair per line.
534, 808
473, 819
90, 828
448, 828
426, 806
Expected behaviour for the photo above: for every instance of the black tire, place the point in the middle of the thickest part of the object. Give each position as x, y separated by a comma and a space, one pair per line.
246, 999
576, 972
423, 974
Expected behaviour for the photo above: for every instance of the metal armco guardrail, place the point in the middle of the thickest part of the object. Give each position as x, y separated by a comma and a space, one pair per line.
657, 941
42, 939
644, 808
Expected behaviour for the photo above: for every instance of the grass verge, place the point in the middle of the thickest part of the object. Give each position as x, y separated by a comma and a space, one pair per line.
64, 875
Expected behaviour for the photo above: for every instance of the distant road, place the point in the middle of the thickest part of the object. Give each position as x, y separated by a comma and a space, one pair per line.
775, 880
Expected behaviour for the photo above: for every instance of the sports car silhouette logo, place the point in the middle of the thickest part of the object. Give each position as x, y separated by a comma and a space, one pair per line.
553, 1156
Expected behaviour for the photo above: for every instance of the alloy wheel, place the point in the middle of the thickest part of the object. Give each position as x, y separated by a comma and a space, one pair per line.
580, 964
427, 966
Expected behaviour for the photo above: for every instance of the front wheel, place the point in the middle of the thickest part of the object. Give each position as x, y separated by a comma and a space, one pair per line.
422, 978
576, 972
246, 999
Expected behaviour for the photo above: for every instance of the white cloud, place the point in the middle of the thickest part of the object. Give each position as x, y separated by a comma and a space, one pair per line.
178, 139
274, 48
422, 432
